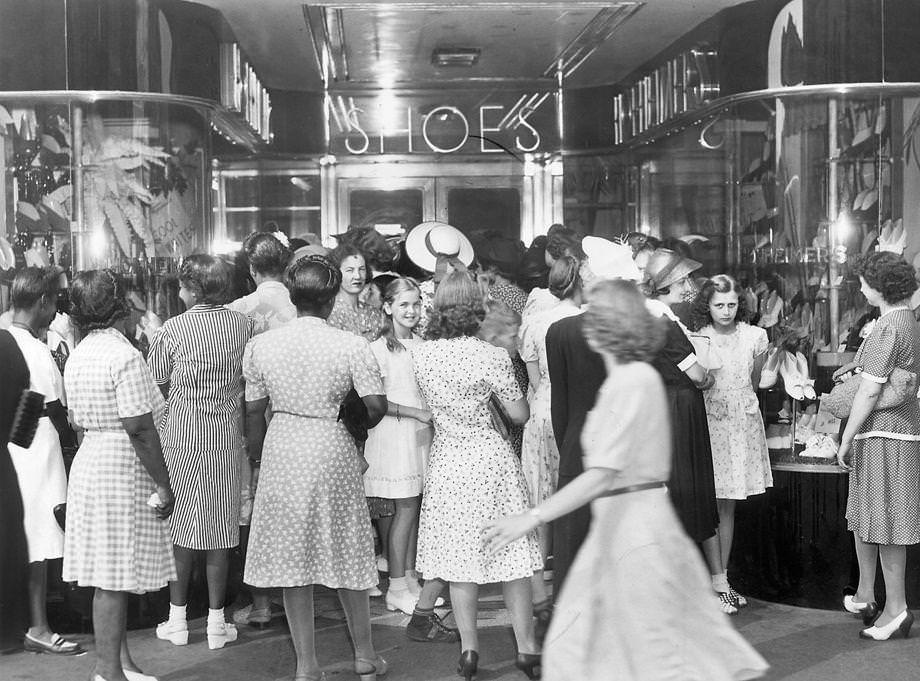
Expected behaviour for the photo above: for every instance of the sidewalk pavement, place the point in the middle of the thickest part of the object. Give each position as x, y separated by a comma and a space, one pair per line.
799, 643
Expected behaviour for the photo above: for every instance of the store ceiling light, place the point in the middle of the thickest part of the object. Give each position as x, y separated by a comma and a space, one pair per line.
455, 56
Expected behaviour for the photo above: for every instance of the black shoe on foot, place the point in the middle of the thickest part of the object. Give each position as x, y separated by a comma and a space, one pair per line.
427, 627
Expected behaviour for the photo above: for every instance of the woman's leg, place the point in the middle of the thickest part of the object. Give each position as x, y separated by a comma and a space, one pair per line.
399, 535
894, 560
518, 601
726, 529
538, 586
867, 557
185, 560
298, 604
109, 624
358, 615
464, 596
218, 562
712, 551
38, 607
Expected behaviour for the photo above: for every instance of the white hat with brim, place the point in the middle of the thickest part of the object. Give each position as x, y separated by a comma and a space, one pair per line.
431, 240
609, 260
7, 257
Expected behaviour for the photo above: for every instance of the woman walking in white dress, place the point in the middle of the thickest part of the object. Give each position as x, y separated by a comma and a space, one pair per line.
473, 476
636, 604
397, 448
40, 467
740, 459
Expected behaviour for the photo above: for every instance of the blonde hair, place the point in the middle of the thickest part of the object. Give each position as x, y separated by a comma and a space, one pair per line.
393, 289
618, 322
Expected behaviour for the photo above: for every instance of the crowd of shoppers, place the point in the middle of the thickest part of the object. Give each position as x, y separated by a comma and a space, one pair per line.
342, 403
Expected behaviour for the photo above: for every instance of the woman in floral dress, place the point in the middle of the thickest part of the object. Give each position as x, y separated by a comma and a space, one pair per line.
309, 521
473, 476
740, 460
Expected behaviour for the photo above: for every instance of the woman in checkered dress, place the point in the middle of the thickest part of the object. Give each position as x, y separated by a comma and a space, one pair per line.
115, 541
883, 508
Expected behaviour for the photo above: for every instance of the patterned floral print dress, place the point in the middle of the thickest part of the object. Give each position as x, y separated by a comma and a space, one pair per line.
740, 460
540, 455
114, 540
310, 523
883, 506
473, 475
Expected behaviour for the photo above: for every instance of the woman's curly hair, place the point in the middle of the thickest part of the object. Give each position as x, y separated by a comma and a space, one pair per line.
97, 300
890, 275
720, 283
458, 308
618, 322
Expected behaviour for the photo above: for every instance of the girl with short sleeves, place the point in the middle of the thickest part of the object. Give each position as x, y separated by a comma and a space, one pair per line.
397, 448
740, 460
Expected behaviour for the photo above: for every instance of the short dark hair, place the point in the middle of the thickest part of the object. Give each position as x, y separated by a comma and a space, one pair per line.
562, 241
344, 250
617, 321
458, 308
889, 274
266, 254
97, 300
370, 244
208, 277
31, 284
313, 282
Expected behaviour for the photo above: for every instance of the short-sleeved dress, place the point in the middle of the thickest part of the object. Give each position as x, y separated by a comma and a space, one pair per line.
740, 459
883, 506
114, 540
539, 454
200, 354
692, 484
473, 475
364, 321
397, 449
40, 468
309, 521
636, 559
268, 307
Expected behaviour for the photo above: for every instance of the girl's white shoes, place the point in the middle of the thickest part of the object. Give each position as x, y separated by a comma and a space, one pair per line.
402, 600
176, 632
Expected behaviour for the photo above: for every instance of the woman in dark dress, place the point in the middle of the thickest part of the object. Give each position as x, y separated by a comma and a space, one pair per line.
14, 558
692, 484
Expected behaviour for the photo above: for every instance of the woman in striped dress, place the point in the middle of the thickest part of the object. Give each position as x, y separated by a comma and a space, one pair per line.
197, 359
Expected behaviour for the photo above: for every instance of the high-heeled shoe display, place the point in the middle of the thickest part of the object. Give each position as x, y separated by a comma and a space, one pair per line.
868, 611
900, 625
529, 663
368, 670
468, 664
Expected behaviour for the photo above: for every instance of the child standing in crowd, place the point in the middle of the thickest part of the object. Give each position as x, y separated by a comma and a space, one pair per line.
397, 448
740, 460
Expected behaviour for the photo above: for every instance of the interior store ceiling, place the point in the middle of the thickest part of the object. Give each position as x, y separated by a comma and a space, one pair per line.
390, 44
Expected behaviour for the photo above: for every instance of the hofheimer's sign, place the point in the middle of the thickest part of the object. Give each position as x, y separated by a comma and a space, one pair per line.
682, 84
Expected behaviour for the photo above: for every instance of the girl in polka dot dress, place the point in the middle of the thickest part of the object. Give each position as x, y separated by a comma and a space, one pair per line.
397, 448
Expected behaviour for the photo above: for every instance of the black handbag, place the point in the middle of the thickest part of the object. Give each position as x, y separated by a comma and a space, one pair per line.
30, 409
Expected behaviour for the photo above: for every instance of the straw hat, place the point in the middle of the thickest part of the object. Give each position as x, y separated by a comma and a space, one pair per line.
610, 260
665, 267
429, 240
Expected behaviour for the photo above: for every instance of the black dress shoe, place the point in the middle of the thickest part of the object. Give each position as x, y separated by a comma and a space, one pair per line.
468, 664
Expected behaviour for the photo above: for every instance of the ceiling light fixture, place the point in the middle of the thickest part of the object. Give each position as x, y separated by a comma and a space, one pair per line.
455, 56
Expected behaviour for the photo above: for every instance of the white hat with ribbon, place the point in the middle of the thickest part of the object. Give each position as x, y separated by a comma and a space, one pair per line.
432, 240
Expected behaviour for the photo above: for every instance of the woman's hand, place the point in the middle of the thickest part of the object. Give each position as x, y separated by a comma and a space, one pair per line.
499, 533
423, 415
167, 501
843, 455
